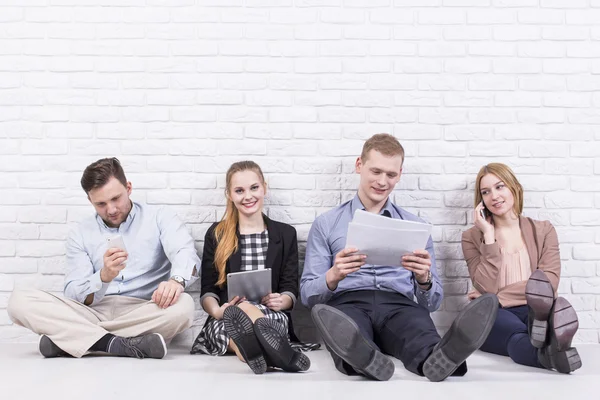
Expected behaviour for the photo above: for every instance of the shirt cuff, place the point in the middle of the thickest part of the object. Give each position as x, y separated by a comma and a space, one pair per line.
292, 296
323, 290
97, 288
424, 296
425, 292
184, 270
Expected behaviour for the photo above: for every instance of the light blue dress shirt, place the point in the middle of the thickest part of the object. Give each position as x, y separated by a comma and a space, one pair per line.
327, 237
158, 245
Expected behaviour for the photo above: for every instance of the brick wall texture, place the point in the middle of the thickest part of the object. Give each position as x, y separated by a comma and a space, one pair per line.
179, 89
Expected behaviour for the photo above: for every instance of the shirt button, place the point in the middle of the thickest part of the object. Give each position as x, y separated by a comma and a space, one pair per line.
378, 286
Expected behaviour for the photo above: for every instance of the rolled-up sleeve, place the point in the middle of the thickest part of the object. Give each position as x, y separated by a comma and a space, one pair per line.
178, 245
80, 278
318, 260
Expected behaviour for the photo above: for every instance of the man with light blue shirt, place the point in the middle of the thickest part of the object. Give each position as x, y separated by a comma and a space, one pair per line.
124, 299
362, 310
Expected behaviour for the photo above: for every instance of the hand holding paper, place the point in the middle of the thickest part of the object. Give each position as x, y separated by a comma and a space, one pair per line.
385, 240
419, 263
346, 262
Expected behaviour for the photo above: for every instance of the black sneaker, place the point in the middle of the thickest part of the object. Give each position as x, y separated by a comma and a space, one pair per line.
467, 333
146, 346
49, 349
240, 329
343, 337
273, 340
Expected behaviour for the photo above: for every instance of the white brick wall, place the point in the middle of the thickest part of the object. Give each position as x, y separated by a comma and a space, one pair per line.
180, 89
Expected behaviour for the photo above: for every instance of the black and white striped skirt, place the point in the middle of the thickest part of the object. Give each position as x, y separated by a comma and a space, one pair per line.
213, 339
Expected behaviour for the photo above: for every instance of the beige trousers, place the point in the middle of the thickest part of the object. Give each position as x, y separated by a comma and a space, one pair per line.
75, 327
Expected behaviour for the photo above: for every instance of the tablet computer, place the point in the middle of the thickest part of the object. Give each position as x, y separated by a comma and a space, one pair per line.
253, 285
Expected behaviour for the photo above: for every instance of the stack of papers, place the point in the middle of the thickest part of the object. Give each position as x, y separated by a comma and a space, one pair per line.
385, 240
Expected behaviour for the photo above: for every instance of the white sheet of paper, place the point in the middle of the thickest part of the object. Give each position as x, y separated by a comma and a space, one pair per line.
367, 218
385, 246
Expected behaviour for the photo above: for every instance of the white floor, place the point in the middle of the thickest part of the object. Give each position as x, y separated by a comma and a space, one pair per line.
24, 374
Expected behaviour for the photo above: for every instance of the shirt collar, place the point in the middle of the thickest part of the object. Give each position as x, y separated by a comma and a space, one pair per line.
386, 210
125, 224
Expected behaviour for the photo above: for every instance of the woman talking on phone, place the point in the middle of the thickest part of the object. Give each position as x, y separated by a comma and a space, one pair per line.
517, 258
245, 240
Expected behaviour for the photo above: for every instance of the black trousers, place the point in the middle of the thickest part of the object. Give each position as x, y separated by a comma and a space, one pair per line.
394, 324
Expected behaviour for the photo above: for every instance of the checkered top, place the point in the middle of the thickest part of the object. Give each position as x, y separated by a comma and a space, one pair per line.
253, 248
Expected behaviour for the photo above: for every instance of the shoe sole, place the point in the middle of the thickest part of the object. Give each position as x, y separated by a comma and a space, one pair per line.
240, 329
564, 324
273, 339
540, 298
343, 337
462, 339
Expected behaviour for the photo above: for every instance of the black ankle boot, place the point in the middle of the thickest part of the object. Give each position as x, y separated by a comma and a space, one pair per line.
562, 326
540, 299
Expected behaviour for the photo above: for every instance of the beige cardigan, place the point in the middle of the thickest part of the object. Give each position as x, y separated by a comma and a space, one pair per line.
541, 241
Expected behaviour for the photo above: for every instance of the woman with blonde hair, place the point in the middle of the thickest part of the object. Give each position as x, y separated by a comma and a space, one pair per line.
517, 258
244, 240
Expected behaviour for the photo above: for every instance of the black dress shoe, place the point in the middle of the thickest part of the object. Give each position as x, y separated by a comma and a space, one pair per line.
540, 298
467, 333
278, 351
343, 337
240, 329
559, 354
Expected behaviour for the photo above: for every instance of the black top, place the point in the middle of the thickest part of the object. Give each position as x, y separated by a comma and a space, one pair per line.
282, 259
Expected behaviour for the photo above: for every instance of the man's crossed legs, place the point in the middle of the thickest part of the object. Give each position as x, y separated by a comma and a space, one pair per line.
118, 325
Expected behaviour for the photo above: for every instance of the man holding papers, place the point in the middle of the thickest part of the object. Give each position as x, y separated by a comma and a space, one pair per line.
363, 299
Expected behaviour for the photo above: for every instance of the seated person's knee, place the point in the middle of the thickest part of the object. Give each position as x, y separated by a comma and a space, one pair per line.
246, 307
183, 309
18, 303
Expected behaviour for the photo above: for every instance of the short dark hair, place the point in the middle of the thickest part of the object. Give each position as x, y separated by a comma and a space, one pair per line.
99, 173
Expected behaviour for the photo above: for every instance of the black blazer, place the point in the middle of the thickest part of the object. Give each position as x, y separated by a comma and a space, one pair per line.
282, 258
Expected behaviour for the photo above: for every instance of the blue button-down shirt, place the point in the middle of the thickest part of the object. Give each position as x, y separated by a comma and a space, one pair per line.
158, 245
327, 237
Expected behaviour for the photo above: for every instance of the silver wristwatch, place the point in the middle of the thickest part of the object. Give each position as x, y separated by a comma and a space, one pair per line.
179, 280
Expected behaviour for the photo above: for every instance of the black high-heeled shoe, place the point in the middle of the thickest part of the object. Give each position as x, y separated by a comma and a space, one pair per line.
562, 326
540, 299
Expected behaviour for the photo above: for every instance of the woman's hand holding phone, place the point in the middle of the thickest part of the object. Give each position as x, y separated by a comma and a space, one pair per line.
484, 224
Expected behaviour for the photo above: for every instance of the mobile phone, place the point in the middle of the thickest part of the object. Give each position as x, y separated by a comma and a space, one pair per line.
484, 212
116, 242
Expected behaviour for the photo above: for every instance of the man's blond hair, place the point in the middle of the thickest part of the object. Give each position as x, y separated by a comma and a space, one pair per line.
384, 143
